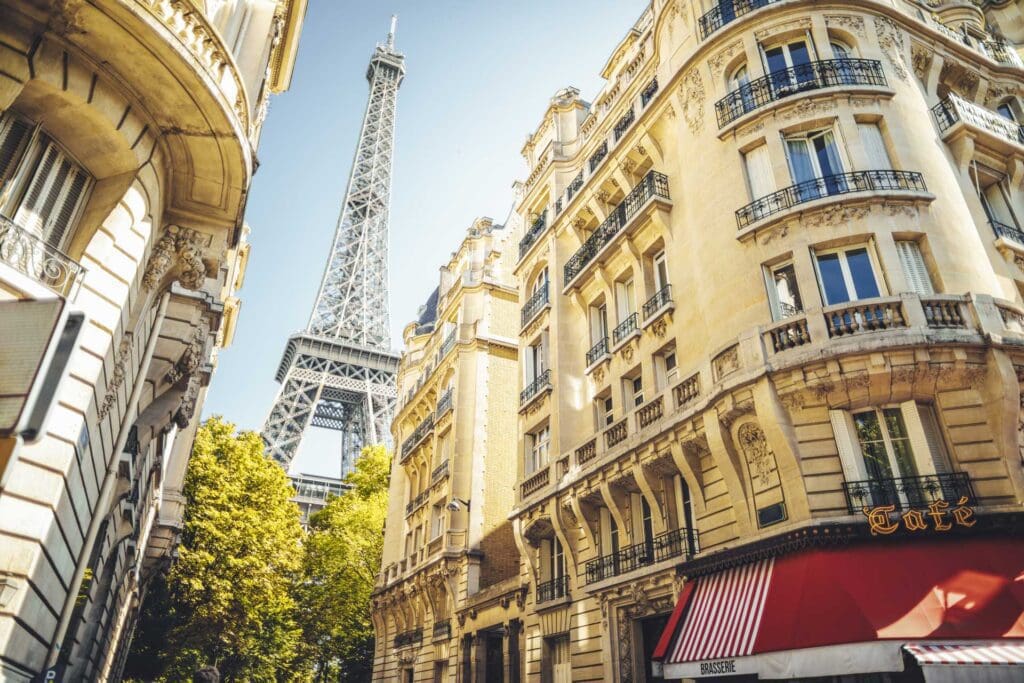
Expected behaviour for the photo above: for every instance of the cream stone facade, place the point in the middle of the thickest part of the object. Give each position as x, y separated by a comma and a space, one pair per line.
448, 597
780, 228
128, 132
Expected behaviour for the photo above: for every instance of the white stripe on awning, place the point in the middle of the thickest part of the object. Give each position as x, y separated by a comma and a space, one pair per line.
966, 654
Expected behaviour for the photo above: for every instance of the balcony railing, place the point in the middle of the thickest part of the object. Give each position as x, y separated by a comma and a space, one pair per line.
597, 157
444, 404
1007, 231
654, 184
828, 186
597, 351
865, 316
907, 493
443, 630
624, 123
534, 305
727, 11
649, 92
418, 434
661, 299
537, 481
539, 384
586, 452
410, 637
826, 73
670, 544
650, 413
687, 390
533, 233
953, 109
627, 327
416, 503
788, 334
32, 256
992, 48
446, 346
615, 434
943, 312
439, 473
553, 589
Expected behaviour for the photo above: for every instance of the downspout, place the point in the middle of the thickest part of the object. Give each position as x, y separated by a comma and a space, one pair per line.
109, 481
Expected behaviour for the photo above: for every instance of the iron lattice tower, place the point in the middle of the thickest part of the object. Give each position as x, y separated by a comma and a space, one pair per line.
340, 372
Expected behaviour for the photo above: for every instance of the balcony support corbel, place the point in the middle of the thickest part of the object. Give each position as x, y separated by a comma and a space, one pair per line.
656, 504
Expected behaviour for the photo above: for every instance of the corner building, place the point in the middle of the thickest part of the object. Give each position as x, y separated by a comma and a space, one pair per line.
447, 602
770, 348
128, 133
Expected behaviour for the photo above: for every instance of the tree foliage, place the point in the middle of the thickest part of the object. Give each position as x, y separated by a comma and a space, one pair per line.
342, 558
240, 554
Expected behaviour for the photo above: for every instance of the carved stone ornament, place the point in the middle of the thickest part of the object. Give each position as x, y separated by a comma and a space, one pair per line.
121, 359
627, 352
640, 149
178, 246
808, 108
190, 359
921, 58
691, 99
853, 24
721, 58
628, 165
603, 195
578, 222
961, 78
726, 362
890, 39
598, 374
777, 232
187, 408
659, 327
832, 216
793, 401
759, 457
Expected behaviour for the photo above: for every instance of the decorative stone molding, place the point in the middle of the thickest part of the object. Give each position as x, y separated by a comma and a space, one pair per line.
190, 358
691, 99
627, 352
178, 246
727, 362
759, 457
853, 24
890, 39
659, 327
802, 24
187, 407
121, 359
834, 215
964, 80
598, 374
640, 149
807, 108
720, 58
921, 58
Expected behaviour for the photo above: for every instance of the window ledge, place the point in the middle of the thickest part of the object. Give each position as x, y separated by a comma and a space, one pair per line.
665, 308
604, 357
625, 340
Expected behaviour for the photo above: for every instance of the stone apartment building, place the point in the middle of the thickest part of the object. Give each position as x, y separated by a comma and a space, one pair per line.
128, 135
770, 347
447, 601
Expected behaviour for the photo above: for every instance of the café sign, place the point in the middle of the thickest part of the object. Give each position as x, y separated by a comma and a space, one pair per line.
940, 516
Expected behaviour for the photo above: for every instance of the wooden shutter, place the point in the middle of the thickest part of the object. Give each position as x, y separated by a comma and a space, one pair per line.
913, 267
924, 457
759, 172
933, 435
874, 147
847, 445
29, 214
66, 207
14, 137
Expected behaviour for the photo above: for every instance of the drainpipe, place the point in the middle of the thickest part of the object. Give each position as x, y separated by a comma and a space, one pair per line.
109, 481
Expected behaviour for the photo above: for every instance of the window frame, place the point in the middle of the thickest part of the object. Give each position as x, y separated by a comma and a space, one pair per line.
876, 270
775, 303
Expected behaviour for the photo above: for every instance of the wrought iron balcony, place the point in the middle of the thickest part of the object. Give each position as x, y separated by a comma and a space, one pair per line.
661, 299
418, 434
826, 73
538, 226
597, 351
954, 109
649, 92
409, 637
32, 256
828, 186
444, 404
995, 49
416, 503
574, 187
598, 156
446, 346
539, 384
553, 589
908, 493
439, 473
627, 327
727, 11
653, 185
676, 543
624, 123
534, 305
1008, 232
443, 630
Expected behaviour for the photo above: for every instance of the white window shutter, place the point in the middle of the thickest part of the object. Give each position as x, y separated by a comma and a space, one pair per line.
922, 453
874, 147
759, 172
936, 442
30, 214
847, 445
65, 209
913, 267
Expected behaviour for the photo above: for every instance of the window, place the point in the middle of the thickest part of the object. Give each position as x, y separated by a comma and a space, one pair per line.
634, 390
783, 292
557, 651
554, 556
41, 188
660, 271
760, 176
789, 66
624, 299
1006, 111
436, 520
846, 275
598, 322
740, 81
666, 372
815, 164
914, 268
603, 411
874, 146
840, 50
537, 445
536, 358
992, 191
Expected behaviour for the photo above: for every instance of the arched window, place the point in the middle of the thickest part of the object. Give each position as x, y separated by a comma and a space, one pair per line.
1006, 110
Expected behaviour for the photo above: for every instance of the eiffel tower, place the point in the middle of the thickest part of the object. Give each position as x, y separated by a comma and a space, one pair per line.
339, 373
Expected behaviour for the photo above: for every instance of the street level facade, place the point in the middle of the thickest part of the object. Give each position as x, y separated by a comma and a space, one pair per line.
128, 133
770, 358
449, 595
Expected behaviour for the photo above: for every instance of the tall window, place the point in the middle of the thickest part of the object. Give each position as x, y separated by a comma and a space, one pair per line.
436, 520
783, 292
846, 275
537, 445
536, 358
874, 146
42, 189
666, 371
598, 322
635, 390
603, 411
660, 271
914, 268
815, 164
625, 302
1005, 109
789, 66
760, 176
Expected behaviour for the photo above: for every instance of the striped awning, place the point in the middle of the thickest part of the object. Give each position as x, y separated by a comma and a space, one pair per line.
994, 653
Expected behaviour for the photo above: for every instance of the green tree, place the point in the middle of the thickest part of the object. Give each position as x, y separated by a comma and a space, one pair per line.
240, 555
342, 559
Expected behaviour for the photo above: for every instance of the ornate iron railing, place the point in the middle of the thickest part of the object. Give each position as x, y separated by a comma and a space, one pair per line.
597, 351
32, 256
409, 637
598, 156
416, 503
654, 184
626, 327
1007, 231
418, 434
439, 473
443, 630
954, 109
624, 123
727, 11
446, 346
534, 305
538, 226
907, 493
649, 92
553, 589
574, 186
825, 73
540, 383
828, 186
444, 404
661, 298
675, 543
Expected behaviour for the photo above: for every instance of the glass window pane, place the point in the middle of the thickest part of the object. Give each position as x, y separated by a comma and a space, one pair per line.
832, 283
869, 434
800, 161
798, 53
862, 274
776, 60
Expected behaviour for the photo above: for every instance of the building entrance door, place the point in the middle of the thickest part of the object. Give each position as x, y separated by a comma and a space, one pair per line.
495, 663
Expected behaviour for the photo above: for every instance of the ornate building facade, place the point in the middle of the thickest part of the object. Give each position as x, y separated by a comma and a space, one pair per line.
447, 601
771, 325
128, 133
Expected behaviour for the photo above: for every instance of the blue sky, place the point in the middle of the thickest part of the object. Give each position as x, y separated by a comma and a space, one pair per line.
478, 77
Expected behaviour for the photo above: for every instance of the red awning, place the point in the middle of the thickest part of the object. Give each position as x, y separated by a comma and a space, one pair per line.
922, 590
